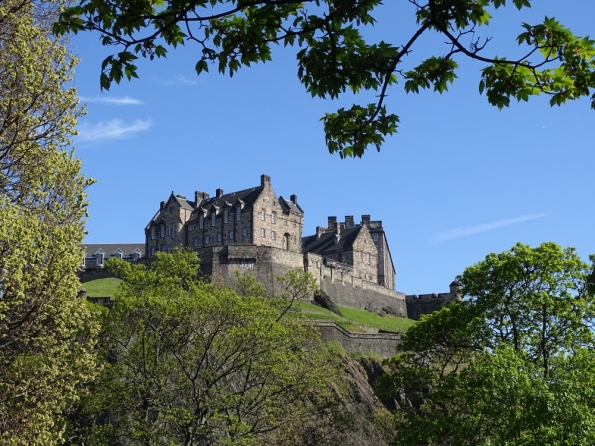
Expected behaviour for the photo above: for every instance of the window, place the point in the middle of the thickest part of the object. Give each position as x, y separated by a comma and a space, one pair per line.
273, 217
152, 251
344, 258
294, 239
162, 248
375, 237
213, 218
231, 235
207, 239
244, 232
226, 216
100, 259
152, 233
361, 256
263, 233
368, 258
218, 236
262, 215
201, 222
162, 231
273, 235
195, 241
238, 214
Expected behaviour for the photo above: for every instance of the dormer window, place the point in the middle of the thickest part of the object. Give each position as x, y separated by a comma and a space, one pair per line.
100, 259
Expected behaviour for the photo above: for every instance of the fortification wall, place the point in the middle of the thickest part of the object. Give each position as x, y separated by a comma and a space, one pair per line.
383, 344
265, 262
336, 281
418, 305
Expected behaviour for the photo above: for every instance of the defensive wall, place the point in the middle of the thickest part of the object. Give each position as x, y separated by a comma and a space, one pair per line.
383, 344
336, 281
420, 304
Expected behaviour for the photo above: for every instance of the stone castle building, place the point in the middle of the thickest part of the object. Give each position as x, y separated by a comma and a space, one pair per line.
256, 231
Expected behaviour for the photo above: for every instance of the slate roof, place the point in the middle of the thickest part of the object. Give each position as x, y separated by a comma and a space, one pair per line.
290, 205
247, 196
184, 204
326, 242
110, 248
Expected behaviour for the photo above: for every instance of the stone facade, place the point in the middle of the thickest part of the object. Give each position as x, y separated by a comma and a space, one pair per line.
420, 304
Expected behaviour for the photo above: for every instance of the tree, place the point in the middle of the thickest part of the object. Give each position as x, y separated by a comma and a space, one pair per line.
511, 364
333, 55
46, 333
194, 363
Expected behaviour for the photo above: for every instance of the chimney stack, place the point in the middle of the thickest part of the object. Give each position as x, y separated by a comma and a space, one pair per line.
331, 223
319, 231
366, 221
265, 180
219, 192
162, 205
293, 198
349, 222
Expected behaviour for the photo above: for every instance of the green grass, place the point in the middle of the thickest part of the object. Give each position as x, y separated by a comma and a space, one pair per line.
353, 319
102, 287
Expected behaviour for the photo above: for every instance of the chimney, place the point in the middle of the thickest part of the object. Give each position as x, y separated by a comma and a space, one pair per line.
293, 198
349, 222
337, 228
200, 196
319, 231
265, 180
366, 220
219, 192
331, 223
162, 205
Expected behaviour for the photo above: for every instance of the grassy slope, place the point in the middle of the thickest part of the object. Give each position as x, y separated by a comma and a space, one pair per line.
352, 320
102, 287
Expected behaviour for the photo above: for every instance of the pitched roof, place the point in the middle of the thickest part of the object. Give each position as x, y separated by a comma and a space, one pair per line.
110, 248
247, 196
327, 242
290, 205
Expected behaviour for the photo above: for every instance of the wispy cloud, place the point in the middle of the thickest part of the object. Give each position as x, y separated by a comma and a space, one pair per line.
126, 100
483, 227
114, 129
178, 79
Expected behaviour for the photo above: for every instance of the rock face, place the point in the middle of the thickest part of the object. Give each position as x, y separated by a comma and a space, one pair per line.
320, 298
361, 403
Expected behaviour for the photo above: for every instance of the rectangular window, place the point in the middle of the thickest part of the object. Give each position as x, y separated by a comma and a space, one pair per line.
207, 240
361, 256
263, 233
238, 214
294, 239
218, 236
368, 258
244, 232
262, 215
162, 231
195, 241
152, 233
273, 235
231, 235
213, 218
344, 258
273, 217
201, 222
375, 237
226, 216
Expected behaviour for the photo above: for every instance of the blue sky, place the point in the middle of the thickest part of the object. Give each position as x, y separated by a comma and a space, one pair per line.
459, 180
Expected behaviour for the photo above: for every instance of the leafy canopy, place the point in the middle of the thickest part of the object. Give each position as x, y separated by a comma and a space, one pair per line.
512, 364
47, 334
195, 363
334, 56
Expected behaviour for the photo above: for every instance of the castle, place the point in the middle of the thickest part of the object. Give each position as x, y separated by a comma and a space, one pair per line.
253, 230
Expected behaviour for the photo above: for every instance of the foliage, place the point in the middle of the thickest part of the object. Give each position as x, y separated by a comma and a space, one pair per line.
511, 365
296, 285
333, 55
194, 363
46, 333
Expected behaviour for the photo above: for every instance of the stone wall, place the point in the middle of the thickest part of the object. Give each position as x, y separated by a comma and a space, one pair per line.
418, 305
336, 281
383, 344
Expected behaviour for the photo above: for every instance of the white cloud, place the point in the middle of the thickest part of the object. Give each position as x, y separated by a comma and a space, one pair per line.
126, 100
483, 227
179, 80
114, 129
